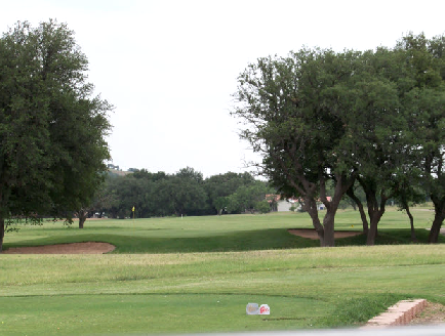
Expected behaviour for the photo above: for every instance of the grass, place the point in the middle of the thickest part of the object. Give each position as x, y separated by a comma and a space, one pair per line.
197, 274
215, 233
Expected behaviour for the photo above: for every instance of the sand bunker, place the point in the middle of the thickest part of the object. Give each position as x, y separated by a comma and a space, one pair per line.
312, 234
74, 248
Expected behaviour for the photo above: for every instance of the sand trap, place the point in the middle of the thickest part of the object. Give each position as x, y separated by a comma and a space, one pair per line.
312, 234
74, 248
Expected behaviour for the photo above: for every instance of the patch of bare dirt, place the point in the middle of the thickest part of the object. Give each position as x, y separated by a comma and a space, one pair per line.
312, 234
74, 248
433, 313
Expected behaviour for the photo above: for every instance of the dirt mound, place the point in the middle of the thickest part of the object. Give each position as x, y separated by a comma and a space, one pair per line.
312, 234
74, 248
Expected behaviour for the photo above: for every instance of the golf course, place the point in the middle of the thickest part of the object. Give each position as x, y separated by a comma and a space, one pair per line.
197, 274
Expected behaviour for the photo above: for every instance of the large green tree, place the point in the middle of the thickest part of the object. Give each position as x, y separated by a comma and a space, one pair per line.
51, 127
425, 105
295, 112
352, 116
377, 128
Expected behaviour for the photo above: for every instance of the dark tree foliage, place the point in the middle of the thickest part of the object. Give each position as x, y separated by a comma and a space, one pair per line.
371, 117
296, 111
249, 198
51, 128
220, 187
425, 105
184, 193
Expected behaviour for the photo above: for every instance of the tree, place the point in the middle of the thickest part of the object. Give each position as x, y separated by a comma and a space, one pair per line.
293, 108
190, 174
220, 187
378, 128
318, 115
180, 196
246, 198
121, 194
51, 128
262, 207
408, 192
221, 204
352, 194
425, 106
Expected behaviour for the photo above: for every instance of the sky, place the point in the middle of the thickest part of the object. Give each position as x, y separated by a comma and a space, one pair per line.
170, 68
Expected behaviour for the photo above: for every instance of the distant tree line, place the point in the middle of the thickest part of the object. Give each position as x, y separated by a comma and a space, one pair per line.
184, 193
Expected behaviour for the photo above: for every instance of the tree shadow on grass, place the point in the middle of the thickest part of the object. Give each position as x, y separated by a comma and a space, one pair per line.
270, 239
232, 241
389, 237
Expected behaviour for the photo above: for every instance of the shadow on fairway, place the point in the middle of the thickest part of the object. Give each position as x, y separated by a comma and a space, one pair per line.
270, 239
232, 241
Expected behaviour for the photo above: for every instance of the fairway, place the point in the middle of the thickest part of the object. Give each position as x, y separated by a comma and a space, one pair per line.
197, 274
214, 233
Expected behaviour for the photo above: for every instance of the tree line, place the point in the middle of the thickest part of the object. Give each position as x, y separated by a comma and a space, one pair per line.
185, 193
374, 118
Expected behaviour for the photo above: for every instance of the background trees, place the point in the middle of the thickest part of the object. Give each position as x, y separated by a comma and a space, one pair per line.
183, 193
220, 187
249, 198
51, 128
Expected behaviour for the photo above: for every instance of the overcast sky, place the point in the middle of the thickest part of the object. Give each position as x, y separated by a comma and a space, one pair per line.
170, 67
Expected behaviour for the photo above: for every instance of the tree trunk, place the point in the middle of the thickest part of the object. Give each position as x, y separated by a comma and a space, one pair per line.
357, 201
364, 219
376, 208
328, 224
375, 216
437, 224
311, 207
2, 233
372, 233
411, 221
82, 218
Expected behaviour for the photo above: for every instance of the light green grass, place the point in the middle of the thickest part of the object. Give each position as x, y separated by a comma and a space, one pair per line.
207, 289
142, 293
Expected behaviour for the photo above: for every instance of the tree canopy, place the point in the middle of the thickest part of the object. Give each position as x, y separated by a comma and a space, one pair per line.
51, 127
371, 117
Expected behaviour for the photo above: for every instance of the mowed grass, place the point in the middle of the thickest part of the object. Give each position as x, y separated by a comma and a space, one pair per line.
167, 284
215, 233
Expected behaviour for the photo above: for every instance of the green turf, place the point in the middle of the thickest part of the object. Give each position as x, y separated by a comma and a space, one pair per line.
114, 314
202, 271
215, 233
